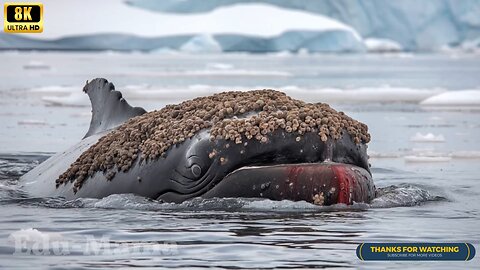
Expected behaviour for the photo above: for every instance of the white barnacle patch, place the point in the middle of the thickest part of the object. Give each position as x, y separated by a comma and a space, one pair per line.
223, 160
318, 199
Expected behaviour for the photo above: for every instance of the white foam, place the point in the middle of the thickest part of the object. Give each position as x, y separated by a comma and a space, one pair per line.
402, 195
428, 137
454, 99
382, 45
278, 205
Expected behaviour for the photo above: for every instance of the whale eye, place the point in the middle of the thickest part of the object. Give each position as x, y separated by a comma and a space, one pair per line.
195, 167
196, 170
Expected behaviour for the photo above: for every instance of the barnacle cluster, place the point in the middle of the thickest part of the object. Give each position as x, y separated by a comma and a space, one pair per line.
237, 116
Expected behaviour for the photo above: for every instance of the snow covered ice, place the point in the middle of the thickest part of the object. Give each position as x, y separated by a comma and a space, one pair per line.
264, 26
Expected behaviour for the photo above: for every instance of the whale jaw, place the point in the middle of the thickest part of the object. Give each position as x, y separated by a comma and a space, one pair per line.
323, 183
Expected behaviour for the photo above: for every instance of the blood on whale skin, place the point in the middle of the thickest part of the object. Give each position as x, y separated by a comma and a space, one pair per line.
255, 144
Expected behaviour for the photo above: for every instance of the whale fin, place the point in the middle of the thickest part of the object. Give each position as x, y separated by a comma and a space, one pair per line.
109, 108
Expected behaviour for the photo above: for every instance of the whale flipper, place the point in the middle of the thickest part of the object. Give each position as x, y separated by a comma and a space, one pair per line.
109, 108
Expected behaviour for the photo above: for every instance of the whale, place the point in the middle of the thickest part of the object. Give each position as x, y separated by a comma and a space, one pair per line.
284, 168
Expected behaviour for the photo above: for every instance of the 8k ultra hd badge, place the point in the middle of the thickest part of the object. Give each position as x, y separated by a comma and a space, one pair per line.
23, 18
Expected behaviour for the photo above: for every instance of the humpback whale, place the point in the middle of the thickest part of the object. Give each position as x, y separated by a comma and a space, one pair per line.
253, 144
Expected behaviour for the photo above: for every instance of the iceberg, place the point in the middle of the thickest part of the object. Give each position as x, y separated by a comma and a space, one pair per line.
415, 25
262, 26
252, 27
201, 44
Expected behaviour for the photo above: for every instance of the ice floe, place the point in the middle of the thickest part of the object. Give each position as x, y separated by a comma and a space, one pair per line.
75, 99
426, 159
428, 137
382, 45
454, 98
36, 65
31, 122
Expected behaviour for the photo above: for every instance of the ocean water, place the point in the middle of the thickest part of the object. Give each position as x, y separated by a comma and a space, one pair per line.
425, 161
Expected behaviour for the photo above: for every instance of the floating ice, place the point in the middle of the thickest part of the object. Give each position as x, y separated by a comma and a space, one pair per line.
75, 99
382, 45
219, 66
33, 122
465, 154
383, 94
375, 154
426, 159
55, 89
454, 99
72, 95
429, 137
36, 65
214, 72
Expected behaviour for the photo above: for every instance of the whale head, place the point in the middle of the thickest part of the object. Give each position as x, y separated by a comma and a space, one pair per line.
284, 167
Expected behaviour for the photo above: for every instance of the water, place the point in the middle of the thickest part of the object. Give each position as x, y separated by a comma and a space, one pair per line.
418, 201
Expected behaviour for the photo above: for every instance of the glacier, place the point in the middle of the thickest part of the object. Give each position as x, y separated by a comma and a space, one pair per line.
257, 26
415, 25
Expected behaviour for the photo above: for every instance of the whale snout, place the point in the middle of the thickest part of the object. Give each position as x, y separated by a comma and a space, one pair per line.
323, 183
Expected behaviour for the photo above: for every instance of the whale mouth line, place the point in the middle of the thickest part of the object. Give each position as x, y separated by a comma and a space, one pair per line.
253, 167
323, 183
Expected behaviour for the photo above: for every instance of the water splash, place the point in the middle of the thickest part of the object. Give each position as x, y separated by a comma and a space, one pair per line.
14, 166
404, 195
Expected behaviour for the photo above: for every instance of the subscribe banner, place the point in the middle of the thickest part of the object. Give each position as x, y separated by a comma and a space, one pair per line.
415, 252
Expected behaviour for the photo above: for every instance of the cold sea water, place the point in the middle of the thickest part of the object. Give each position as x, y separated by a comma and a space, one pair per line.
425, 161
